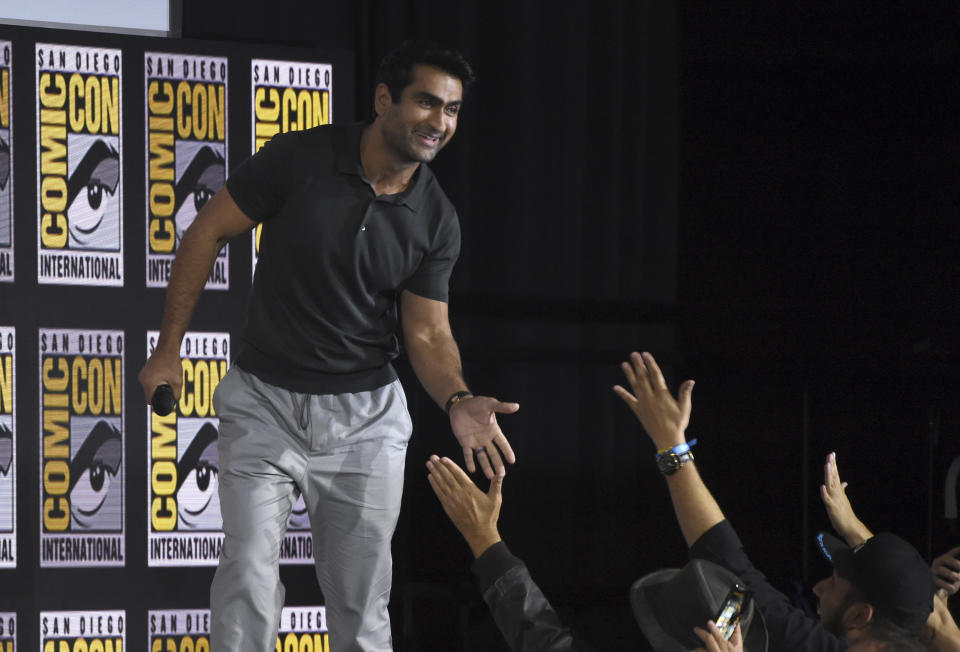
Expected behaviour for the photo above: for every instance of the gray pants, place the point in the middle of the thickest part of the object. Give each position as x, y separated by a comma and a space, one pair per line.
345, 453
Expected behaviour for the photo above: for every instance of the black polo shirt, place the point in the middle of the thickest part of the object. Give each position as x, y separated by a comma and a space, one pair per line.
333, 260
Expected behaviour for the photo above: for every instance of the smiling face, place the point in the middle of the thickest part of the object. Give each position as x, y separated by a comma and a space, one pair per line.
425, 118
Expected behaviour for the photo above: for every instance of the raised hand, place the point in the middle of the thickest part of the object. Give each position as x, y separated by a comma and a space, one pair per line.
664, 418
473, 512
839, 510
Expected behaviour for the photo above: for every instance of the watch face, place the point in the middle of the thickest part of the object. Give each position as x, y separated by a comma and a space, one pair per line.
668, 463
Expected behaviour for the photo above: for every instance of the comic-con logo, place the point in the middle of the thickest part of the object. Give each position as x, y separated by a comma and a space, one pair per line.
6, 164
178, 630
79, 204
185, 528
302, 629
287, 96
8, 447
83, 631
8, 632
186, 104
82, 443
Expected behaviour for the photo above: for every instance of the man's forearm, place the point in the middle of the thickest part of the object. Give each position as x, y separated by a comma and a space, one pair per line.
696, 509
435, 359
196, 255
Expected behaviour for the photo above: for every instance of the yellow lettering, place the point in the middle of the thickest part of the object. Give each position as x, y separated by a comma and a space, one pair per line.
94, 109
186, 396
267, 111
218, 113
163, 443
184, 97
163, 452
56, 430
160, 100
199, 112
161, 154
77, 104
112, 386
53, 161
321, 108
79, 376
56, 477
53, 194
53, 95
53, 146
267, 104
288, 105
6, 384
110, 107
161, 230
56, 443
5, 98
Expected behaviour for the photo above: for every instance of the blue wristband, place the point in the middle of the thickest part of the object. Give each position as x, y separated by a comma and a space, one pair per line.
679, 449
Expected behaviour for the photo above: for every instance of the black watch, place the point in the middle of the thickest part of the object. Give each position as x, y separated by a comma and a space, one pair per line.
670, 462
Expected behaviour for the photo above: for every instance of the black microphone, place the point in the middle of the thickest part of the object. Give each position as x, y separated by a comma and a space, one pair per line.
163, 401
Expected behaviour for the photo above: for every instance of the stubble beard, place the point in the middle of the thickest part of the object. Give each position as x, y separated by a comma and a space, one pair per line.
405, 146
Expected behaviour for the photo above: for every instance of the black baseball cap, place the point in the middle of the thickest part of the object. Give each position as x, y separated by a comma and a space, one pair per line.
889, 572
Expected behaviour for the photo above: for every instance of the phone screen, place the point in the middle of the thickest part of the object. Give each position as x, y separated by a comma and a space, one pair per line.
729, 615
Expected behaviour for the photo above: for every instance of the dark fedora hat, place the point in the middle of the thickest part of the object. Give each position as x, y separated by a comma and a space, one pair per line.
669, 603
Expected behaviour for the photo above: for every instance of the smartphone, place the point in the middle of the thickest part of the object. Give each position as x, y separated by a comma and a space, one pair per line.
730, 611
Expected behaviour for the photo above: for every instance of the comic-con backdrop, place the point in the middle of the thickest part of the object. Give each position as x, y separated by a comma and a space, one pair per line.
109, 146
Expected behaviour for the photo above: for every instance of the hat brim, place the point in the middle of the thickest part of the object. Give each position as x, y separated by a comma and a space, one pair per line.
837, 553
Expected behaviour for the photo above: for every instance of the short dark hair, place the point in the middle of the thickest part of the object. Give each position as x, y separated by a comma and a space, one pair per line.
396, 69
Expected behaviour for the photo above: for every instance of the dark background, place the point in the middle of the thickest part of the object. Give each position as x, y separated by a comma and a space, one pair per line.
763, 195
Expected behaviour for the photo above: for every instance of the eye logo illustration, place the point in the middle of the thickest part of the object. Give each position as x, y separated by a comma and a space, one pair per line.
91, 191
198, 479
93, 471
299, 518
199, 182
6, 449
4, 164
5, 208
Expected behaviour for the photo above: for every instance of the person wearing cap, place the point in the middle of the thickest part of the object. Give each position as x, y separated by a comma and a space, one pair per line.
893, 594
942, 633
672, 606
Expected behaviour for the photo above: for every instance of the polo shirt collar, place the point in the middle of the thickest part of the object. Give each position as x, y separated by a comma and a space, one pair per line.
347, 161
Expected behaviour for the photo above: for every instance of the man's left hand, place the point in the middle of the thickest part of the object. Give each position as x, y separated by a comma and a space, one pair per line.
474, 423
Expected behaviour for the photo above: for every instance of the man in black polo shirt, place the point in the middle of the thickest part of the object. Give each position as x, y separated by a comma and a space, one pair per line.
353, 224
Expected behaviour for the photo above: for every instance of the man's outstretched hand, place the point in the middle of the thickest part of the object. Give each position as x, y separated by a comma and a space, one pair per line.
473, 512
474, 423
664, 418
